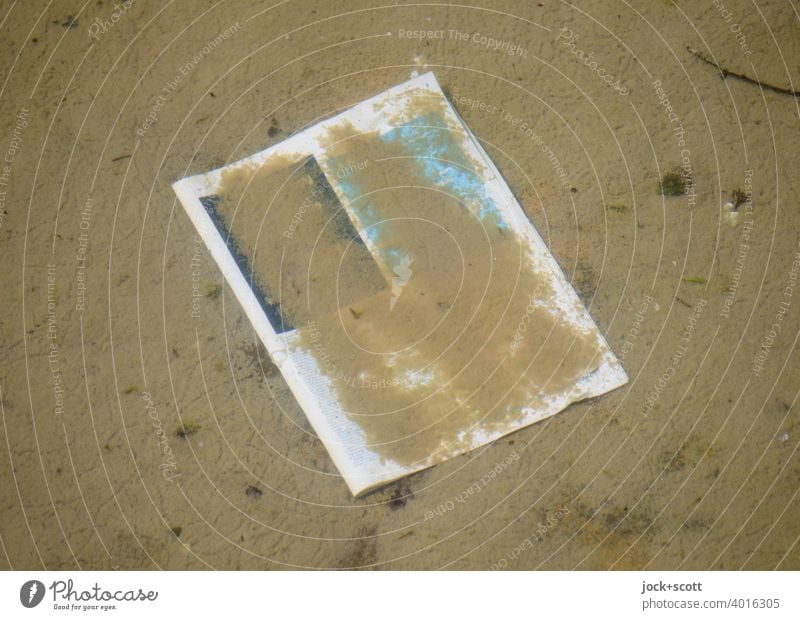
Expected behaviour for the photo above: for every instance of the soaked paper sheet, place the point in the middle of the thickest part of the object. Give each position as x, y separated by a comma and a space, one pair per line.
411, 306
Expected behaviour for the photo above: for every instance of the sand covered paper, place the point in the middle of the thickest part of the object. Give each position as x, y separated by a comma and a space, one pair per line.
410, 304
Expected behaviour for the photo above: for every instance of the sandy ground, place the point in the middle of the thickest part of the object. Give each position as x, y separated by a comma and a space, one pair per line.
694, 464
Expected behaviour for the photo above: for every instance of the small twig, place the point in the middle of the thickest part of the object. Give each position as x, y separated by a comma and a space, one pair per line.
739, 76
120, 158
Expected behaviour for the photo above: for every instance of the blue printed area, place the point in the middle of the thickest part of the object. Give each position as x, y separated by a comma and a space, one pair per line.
442, 163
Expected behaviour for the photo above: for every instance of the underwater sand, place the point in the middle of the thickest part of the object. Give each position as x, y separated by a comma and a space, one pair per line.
118, 332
